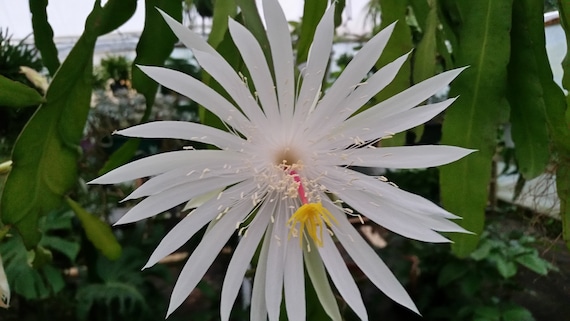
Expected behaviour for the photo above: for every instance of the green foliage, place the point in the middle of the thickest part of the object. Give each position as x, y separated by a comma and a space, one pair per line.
472, 121
16, 94
122, 290
312, 13
480, 286
32, 274
43, 35
45, 155
117, 68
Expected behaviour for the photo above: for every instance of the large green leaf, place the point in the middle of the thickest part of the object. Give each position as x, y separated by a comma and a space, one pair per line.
45, 154
15, 94
312, 13
484, 45
525, 89
43, 35
425, 55
97, 231
155, 45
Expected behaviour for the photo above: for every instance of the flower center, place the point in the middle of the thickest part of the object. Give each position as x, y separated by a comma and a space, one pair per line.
312, 218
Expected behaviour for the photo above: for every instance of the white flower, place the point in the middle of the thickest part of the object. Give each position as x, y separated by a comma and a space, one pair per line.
281, 165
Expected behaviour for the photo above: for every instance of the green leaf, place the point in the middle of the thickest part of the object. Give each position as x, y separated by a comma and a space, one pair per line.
97, 231
43, 35
312, 13
533, 262
507, 269
15, 94
482, 252
68, 248
155, 45
451, 272
399, 44
517, 313
473, 119
46, 152
525, 90
252, 21
121, 156
425, 55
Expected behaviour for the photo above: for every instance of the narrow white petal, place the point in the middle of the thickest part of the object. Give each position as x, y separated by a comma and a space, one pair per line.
190, 39
387, 215
316, 65
160, 163
196, 90
275, 263
368, 261
294, 282
416, 94
186, 131
176, 195
341, 277
422, 156
189, 174
258, 310
360, 129
254, 59
224, 74
318, 277
356, 70
242, 257
201, 199
204, 255
194, 221
282, 55
358, 98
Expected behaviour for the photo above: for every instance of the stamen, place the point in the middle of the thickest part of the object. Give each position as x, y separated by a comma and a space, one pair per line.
313, 218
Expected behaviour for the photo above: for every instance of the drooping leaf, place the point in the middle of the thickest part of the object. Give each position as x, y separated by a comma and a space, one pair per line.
15, 94
312, 13
155, 45
97, 231
525, 90
484, 45
46, 152
43, 35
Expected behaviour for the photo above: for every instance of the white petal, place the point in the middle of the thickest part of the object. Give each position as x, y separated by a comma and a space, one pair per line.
201, 199
254, 59
282, 55
421, 156
294, 282
258, 310
355, 71
176, 195
161, 163
204, 255
387, 215
194, 221
341, 277
190, 39
316, 65
225, 75
368, 261
275, 263
189, 173
199, 92
415, 95
358, 98
242, 257
318, 276
360, 129
187, 131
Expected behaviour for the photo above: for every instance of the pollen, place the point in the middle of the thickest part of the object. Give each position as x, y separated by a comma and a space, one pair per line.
312, 219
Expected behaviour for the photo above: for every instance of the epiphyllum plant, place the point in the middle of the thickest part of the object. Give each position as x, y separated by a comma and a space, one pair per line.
280, 176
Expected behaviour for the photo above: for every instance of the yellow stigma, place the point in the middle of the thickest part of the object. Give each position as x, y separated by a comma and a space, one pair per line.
312, 217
